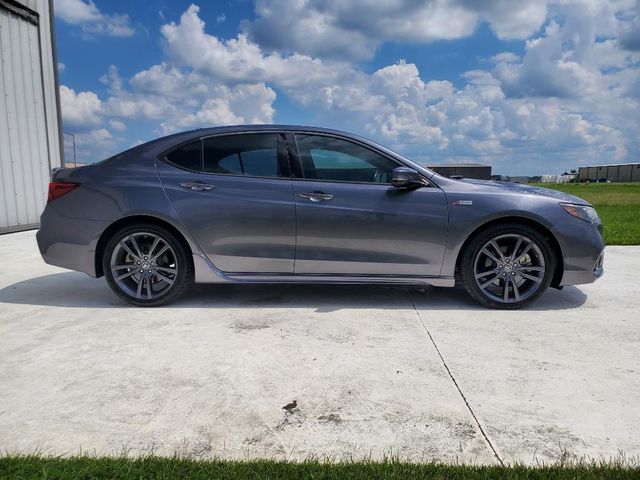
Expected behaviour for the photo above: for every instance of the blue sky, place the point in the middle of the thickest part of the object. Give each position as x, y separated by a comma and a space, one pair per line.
529, 87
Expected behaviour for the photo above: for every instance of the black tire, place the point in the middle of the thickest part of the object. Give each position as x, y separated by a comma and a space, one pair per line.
156, 289
476, 257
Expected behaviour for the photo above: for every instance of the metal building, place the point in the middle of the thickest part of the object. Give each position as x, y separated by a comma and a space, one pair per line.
30, 124
465, 170
623, 172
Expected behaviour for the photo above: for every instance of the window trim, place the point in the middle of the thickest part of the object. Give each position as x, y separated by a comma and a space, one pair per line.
281, 150
299, 175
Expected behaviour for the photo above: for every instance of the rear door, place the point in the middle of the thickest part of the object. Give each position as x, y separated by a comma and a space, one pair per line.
233, 192
351, 221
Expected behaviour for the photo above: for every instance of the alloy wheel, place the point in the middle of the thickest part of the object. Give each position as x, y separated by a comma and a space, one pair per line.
144, 265
509, 268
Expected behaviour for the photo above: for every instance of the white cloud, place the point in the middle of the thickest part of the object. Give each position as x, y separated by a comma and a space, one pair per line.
241, 104
172, 98
237, 60
79, 109
112, 26
125, 103
95, 145
507, 57
354, 29
91, 20
77, 11
137, 107
117, 125
509, 19
61, 67
90, 146
98, 135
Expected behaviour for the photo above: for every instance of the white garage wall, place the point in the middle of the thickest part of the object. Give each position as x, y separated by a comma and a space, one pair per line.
29, 115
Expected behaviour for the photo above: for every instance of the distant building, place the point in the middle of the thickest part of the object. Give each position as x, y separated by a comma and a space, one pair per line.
568, 178
623, 172
465, 170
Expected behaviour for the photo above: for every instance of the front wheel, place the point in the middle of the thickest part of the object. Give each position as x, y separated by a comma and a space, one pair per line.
147, 265
507, 266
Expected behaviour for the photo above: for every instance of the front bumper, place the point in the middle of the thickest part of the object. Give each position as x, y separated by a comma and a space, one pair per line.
583, 250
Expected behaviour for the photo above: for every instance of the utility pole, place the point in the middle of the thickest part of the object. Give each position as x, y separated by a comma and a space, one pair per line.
75, 159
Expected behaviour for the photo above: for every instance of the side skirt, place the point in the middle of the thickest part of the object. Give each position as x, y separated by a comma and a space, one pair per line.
205, 272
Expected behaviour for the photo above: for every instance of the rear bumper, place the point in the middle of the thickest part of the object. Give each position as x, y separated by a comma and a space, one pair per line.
68, 243
67, 255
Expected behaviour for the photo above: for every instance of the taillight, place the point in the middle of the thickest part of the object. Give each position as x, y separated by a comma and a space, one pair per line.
58, 189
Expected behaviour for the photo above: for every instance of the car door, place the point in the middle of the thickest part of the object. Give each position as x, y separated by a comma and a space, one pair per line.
351, 221
233, 193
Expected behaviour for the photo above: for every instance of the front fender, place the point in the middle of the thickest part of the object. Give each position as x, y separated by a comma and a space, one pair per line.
465, 219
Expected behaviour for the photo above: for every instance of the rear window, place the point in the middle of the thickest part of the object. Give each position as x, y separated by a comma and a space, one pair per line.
244, 154
187, 156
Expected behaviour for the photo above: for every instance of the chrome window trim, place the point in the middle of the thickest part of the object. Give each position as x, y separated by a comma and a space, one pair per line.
163, 155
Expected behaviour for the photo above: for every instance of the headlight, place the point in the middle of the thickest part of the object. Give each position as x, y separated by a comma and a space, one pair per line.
588, 214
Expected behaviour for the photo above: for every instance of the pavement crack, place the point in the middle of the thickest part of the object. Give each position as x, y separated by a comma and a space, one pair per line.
453, 379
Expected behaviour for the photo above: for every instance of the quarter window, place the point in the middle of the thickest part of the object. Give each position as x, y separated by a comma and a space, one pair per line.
187, 156
245, 154
328, 158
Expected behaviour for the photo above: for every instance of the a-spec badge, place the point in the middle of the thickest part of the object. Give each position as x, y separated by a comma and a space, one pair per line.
459, 203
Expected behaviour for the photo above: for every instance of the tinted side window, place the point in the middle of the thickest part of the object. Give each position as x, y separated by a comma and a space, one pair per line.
230, 164
247, 154
188, 156
328, 158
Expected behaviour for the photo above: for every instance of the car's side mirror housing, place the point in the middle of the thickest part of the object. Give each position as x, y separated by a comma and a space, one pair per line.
406, 178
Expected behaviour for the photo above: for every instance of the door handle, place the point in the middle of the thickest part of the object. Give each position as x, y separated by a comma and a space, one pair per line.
197, 186
316, 196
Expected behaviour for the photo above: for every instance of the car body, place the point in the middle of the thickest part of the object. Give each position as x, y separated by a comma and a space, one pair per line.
274, 203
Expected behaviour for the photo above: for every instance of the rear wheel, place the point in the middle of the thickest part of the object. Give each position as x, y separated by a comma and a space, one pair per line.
507, 266
147, 265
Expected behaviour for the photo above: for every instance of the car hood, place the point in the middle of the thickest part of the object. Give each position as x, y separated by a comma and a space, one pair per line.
510, 187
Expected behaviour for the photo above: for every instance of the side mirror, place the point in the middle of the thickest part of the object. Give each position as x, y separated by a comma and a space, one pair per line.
406, 178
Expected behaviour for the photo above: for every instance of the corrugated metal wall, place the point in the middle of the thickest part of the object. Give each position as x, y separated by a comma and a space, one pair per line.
29, 121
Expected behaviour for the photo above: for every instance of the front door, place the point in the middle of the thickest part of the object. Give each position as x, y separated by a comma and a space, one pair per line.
233, 192
351, 221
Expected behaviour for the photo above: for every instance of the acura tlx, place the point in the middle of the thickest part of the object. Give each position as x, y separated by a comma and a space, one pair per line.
273, 203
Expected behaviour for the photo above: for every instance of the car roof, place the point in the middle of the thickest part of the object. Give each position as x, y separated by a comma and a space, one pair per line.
269, 128
164, 143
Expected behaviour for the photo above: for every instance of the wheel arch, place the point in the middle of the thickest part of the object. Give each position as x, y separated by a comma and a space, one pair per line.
136, 220
538, 226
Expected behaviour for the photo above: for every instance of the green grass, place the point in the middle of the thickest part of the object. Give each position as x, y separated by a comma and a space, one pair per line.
80, 468
618, 205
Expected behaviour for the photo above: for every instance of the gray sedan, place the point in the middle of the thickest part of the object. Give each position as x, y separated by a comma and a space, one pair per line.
283, 204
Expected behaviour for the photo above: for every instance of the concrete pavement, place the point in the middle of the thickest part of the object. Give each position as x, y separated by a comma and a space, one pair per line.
424, 374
